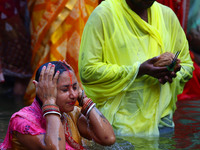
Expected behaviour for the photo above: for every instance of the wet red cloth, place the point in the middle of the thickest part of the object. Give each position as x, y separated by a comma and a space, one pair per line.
192, 87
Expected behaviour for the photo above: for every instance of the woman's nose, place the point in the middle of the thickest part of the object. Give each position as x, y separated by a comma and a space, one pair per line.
71, 93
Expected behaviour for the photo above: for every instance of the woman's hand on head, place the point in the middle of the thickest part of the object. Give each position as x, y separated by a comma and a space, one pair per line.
46, 88
64, 61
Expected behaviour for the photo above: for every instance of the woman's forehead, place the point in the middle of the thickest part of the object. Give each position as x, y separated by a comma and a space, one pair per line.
68, 76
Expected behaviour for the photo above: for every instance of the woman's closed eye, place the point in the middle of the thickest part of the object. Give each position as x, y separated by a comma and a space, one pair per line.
75, 87
65, 89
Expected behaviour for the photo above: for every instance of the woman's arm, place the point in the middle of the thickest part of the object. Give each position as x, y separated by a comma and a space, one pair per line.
94, 126
54, 138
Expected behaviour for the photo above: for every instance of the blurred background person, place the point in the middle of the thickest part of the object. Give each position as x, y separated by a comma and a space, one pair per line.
15, 52
193, 29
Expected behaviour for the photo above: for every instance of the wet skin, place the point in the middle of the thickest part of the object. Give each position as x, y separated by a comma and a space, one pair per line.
67, 91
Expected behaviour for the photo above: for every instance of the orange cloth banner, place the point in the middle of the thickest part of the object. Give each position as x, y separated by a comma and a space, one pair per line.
56, 30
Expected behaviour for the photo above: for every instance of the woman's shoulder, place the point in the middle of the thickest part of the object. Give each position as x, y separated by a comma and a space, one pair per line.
28, 119
29, 112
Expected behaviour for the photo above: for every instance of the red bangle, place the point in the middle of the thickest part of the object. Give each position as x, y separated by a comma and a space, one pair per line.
86, 103
86, 106
50, 108
50, 105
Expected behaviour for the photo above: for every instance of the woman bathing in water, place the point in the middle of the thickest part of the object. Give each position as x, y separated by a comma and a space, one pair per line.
53, 121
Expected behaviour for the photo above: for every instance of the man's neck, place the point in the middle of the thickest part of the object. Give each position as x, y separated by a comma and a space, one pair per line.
141, 12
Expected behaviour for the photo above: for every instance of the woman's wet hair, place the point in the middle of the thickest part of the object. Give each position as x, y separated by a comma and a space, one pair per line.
59, 66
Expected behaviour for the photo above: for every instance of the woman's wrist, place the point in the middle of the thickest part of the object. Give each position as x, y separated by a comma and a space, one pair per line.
85, 99
50, 109
87, 106
50, 101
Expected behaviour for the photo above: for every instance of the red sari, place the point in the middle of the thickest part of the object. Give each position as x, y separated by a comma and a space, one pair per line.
192, 87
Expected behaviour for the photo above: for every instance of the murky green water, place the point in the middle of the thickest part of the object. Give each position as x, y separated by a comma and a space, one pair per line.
185, 137
8, 105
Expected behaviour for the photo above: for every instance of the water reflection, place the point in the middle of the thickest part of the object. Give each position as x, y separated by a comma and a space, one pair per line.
186, 135
157, 143
8, 105
187, 121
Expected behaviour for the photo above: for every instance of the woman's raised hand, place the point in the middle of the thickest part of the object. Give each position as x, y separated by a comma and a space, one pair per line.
46, 88
64, 61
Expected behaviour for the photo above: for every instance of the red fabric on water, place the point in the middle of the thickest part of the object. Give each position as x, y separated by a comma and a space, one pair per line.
192, 87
